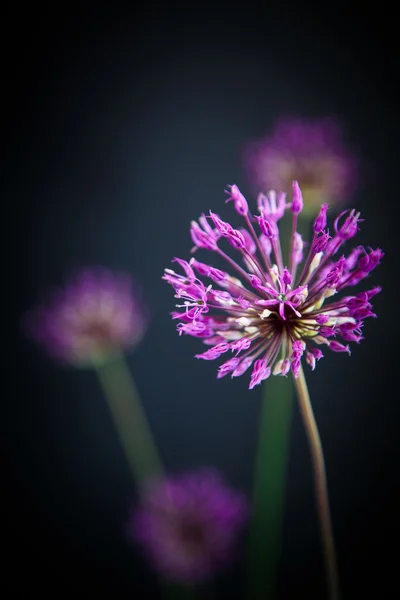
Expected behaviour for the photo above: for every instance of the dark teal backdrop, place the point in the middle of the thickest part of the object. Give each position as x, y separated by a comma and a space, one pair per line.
121, 126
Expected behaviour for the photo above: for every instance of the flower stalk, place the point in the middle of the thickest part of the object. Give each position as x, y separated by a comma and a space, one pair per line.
129, 418
265, 541
321, 488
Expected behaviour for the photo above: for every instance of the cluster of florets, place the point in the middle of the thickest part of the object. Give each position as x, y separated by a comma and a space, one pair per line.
272, 313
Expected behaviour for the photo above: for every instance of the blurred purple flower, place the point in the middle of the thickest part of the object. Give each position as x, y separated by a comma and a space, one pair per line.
188, 525
97, 314
311, 152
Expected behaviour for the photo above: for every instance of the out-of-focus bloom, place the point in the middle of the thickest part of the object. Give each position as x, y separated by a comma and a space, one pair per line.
310, 152
97, 314
273, 313
188, 525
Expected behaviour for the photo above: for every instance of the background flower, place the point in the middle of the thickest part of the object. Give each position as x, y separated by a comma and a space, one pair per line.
311, 152
94, 316
188, 524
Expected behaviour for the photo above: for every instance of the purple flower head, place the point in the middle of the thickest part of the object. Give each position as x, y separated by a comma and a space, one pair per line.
188, 525
267, 312
97, 314
311, 152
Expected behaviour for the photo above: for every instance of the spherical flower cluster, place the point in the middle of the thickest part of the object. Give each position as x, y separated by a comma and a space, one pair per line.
311, 152
96, 315
272, 314
188, 525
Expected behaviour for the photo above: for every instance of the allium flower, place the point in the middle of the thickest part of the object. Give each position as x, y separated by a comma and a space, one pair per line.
273, 313
188, 525
311, 152
97, 314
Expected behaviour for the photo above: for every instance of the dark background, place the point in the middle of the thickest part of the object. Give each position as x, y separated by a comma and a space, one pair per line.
120, 126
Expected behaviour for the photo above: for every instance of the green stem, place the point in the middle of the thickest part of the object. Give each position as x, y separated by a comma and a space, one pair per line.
269, 488
321, 488
130, 421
